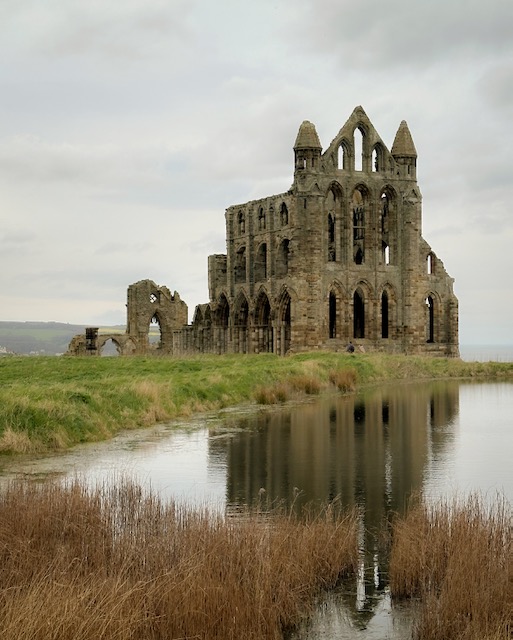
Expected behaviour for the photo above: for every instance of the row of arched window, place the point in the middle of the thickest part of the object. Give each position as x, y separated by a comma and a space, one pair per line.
262, 218
261, 266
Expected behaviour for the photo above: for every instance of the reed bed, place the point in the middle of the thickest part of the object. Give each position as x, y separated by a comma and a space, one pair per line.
457, 558
117, 563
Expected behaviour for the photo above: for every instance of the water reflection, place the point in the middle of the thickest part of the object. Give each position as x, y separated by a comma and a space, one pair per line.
372, 451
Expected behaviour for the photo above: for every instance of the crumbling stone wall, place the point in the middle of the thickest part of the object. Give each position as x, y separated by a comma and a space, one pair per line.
147, 303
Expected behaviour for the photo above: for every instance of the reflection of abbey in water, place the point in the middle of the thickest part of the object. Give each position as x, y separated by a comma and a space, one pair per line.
372, 451
338, 257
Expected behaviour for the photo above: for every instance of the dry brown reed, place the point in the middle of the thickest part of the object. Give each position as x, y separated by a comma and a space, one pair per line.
458, 559
343, 379
117, 563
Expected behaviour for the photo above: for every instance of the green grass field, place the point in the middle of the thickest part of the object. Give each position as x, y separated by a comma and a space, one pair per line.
54, 403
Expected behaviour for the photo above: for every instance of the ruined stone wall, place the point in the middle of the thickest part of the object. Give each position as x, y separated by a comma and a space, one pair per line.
338, 257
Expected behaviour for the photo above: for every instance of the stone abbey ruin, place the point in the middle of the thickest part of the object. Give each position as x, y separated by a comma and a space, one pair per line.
339, 257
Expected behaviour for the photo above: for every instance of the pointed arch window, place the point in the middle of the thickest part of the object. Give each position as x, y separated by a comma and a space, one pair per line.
261, 263
240, 265
358, 314
358, 149
384, 315
332, 315
430, 303
282, 259
284, 215
358, 227
332, 253
261, 219
241, 223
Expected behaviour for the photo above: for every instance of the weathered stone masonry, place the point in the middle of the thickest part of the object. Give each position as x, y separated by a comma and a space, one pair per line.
339, 257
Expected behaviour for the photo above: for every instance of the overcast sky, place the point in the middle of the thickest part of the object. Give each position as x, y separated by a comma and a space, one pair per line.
127, 127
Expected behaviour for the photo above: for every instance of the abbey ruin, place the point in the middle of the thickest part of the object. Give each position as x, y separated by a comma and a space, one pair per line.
339, 257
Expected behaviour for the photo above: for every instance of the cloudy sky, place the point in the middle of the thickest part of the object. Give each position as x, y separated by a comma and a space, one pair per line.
128, 126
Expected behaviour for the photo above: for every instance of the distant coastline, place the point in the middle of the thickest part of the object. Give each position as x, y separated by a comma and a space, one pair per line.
486, 352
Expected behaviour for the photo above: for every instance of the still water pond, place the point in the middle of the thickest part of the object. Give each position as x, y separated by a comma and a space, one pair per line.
373, 450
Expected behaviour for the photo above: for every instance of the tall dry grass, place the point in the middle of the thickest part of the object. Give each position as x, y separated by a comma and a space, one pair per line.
457, 558
117, 563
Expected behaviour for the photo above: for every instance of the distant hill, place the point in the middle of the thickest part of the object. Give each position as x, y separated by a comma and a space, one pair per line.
44, 338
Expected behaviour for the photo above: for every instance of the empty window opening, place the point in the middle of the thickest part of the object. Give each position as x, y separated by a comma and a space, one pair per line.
386, 253
340, 157
358, 149
241, 223
155, 332
110, 349
261, 219
375, 160
430, 263
240, 338
358, 315
261, 263
331, 238
358, 226
263, 323
384, 315
240, 265
284, 215
282, 259
332, 315
431, 319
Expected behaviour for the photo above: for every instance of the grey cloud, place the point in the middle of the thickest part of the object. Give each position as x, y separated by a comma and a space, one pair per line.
403, 33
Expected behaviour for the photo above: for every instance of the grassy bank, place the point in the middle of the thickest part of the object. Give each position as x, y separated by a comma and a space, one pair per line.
54, 403
458, 559
80, 564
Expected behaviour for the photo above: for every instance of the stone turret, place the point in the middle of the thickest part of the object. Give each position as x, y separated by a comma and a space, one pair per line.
404, 152
307, 148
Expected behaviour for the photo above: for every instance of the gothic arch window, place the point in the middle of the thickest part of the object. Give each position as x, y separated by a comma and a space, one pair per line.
263, 324
332, 315
384, 315
240, 265
358, 211
358, 314
430, 263
387, 225
241, 223
284, 324
385, 251
358, 149
241, 321
430, 304
284, 215
343, 155
261, 219
332, 252
261, 263
378, 161
282, 259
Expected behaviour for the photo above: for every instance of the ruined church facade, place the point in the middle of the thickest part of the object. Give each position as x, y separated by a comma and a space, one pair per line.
337, 258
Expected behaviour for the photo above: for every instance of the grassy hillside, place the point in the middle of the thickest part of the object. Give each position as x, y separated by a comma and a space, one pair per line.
54, 403
48, 338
